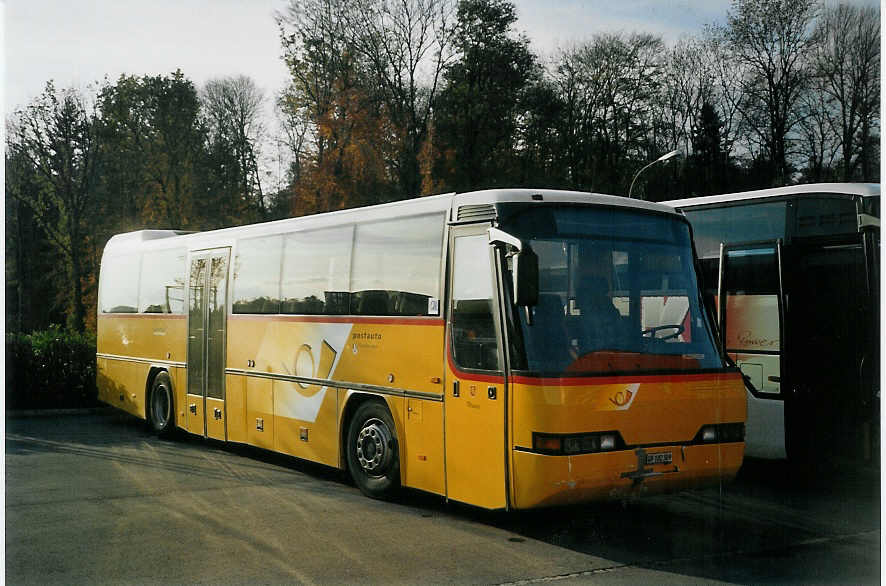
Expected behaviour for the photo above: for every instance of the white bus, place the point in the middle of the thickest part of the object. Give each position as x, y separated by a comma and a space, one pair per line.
793, 275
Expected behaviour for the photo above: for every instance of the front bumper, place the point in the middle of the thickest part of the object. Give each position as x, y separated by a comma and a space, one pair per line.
541, 480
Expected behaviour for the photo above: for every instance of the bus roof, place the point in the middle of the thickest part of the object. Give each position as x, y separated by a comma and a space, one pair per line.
449, 203
862, 189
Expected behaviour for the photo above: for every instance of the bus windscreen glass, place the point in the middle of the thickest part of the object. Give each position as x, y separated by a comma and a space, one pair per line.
618, 294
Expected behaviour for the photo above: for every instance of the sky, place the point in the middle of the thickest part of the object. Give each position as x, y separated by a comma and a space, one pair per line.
79, 42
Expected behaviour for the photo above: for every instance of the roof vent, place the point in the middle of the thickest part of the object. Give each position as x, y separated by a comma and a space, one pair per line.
476, 212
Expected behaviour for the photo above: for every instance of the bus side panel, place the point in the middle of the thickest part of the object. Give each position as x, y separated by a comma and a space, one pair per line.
315, 439
390, 353
260, 413
421, 456
146, 336
122, 384
142, 338
180, 387
235, 405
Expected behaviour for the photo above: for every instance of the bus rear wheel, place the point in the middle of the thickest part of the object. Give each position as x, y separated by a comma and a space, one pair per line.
161, 407
373, 454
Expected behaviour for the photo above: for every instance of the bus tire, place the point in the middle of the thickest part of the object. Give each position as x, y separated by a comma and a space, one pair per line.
373, 453
161, 406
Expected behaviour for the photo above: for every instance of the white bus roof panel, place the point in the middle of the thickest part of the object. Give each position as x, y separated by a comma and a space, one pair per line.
862, 189
447, 203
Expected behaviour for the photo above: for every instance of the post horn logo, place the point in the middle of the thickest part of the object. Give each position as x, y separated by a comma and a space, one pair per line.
622, 399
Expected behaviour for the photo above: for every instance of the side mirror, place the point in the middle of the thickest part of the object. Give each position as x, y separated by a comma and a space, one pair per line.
525, 272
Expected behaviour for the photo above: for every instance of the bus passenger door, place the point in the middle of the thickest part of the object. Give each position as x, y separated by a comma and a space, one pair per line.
831, 310
751, 310
475, 393
207, 319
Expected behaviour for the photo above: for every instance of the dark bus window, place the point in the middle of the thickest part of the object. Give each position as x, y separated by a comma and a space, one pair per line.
396, 267
162, 282
822, 216
738, 223
119, 284
752, 272
257, 275
316, 271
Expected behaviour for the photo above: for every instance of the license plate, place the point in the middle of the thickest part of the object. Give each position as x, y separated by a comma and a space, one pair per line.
658, 458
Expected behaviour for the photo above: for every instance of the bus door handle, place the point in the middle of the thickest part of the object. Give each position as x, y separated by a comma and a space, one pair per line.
193, 408
492, 392
455, 388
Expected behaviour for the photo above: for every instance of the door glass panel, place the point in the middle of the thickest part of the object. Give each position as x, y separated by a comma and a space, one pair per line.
218, 286
752, 287
196, 306
474, 341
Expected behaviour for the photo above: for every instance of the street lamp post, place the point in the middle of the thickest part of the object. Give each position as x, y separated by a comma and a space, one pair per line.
661, 159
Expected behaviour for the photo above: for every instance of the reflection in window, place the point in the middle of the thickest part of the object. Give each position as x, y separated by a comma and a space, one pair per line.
820, 216
119, 283
474, 342
257, 275
162, 282
739, 223
618, 293
396, 266
316, 270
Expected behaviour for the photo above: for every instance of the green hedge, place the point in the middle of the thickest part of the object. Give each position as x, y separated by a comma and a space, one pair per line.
50, 369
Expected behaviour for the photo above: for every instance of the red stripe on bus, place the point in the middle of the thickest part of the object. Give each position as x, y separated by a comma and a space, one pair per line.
620, 379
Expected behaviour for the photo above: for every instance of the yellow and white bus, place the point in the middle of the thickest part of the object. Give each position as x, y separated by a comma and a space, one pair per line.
507, 348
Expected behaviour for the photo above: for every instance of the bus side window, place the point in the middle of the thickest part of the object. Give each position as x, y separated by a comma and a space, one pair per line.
474, 340
316, 269
257, 275
162, 282
119, 283
396, 266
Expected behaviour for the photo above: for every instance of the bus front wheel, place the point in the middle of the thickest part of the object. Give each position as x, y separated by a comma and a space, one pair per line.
161, 407
372, 451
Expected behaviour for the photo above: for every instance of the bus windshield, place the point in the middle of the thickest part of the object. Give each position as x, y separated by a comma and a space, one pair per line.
617, 294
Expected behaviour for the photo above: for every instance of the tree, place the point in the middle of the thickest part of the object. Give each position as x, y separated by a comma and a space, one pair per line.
771, 39
708, 167
153, 123
847, 69
608, 87
56, 136
476, 118
232, 110
404, 45
336, 124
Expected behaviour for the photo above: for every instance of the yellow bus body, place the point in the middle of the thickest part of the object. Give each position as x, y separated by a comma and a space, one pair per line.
667, 406
291, 382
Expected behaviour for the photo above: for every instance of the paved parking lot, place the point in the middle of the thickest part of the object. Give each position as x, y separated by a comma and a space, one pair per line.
96, 499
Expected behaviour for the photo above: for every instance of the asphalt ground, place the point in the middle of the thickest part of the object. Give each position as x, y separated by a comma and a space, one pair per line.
92, 497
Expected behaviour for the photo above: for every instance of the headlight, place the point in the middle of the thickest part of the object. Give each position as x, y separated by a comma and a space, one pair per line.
720, 433
580, 443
